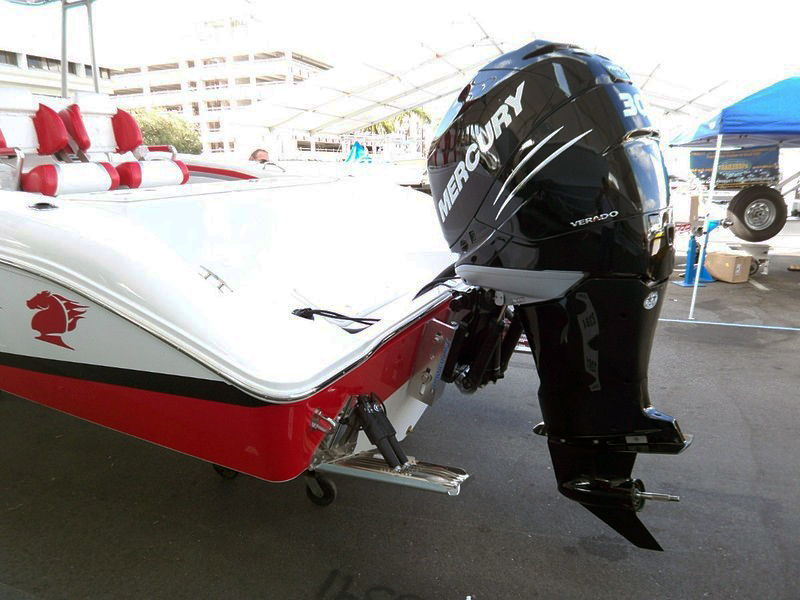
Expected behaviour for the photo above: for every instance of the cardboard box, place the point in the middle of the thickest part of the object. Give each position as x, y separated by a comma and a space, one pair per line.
759, 252
733, 267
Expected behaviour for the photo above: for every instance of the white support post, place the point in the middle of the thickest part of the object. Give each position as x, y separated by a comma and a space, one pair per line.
95, 73
702, 258
64, 59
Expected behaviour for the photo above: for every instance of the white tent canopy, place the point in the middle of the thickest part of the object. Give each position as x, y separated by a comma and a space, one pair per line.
353, 96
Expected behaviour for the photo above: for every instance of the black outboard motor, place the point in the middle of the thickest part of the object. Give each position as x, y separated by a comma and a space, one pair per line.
549, 183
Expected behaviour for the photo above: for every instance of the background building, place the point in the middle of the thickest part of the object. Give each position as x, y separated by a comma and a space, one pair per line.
224, 68
30, 51
36, 69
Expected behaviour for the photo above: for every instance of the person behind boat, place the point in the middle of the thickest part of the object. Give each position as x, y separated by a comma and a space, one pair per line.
260, 155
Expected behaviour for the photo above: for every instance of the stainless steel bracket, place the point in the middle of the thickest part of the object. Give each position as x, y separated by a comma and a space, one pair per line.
425, 384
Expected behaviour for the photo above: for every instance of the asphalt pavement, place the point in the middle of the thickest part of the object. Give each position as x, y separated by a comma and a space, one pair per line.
89, 513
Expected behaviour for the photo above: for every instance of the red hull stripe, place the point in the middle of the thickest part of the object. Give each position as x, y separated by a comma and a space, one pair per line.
190, 387
271, 441
221, 172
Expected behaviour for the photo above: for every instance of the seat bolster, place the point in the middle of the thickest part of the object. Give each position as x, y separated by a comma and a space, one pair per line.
71, 178
50, 130
130, 174
112, 173
73, 121
41, 180
152, 173
126, 132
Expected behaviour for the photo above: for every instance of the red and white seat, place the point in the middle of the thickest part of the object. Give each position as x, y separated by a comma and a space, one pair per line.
42, 133
37, 134
97, 126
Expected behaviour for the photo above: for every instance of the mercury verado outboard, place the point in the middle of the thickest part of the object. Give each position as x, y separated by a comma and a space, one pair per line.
549, 183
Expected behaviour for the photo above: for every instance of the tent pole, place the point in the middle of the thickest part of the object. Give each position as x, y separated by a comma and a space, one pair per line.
701, 260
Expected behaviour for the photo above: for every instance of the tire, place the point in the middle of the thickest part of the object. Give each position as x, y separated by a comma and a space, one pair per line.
754, 265
758, 213
328, 492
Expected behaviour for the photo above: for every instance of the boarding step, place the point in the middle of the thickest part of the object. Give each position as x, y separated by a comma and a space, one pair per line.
416, 474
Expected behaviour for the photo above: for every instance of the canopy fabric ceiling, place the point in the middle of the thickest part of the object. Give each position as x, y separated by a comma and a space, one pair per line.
352, 97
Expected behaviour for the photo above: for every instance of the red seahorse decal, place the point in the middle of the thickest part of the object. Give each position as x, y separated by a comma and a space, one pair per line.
57, 315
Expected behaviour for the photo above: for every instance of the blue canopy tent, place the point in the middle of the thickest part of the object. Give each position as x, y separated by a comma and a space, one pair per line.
770, 116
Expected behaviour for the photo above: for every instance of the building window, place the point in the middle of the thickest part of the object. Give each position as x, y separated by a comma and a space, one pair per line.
245, 102
267, 55
215, 84
105, 73
231, 146
217, 146
163, 89
190, 64
163, 67
88, 70
8, 58
214, 60
242, 81
214, 126
171, 108
37, 62
241, 58
44, 64
266, 79
191, 86
72, 68
130, 70
214, 105
128, 91
195, 108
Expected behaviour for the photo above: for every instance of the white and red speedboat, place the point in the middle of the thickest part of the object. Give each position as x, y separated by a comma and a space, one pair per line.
278, 325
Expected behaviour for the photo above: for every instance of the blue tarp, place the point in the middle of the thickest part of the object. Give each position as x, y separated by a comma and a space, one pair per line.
358, 154
770, 116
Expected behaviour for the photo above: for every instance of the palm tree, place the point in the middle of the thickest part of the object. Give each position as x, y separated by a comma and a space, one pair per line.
391, 125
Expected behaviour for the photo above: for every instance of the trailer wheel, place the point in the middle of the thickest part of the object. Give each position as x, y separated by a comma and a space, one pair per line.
225, 472
757, 213
326, 492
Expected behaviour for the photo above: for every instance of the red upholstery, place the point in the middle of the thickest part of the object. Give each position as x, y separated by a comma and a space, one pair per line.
152, 173
70, 178
71, 116
184, 170
112, 172
126, 132
42, 180
130, 174
50, 130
